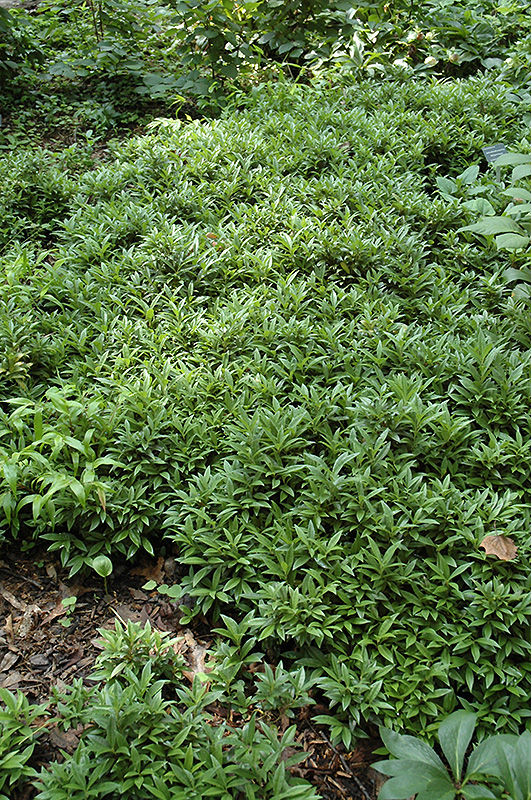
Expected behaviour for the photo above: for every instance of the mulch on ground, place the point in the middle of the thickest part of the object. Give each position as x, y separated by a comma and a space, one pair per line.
45, 646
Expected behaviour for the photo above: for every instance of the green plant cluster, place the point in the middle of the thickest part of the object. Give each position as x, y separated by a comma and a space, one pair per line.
21, 725
140, 739
512, 229
263, 340
91, 62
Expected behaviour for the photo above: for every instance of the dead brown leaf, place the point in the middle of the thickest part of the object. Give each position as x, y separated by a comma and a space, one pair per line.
39, 660
9, 660
11, 599
8, 627
124, 614
152, 572
27, 622
138, 594
65, 740
11, 680
58, 611
500, 546
195, 654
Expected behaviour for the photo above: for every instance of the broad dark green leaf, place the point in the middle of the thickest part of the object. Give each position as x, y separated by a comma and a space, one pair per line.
455, 733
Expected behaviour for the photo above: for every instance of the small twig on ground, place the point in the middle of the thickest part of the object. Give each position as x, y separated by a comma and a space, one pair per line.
21, 577
344, 764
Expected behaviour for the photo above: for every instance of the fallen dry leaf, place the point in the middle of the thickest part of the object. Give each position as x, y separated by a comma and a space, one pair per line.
11, 599
39, 660
195, 654
11, 680
8, 628
500, 546
124, 614
8, 661
152, 572
65, 740
58, 611
27, 622
138, 594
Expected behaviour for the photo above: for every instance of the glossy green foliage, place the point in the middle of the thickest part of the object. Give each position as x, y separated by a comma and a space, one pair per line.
262, 340
500, 766
20, 726
203, 49
131, 647
138, 744
512, 230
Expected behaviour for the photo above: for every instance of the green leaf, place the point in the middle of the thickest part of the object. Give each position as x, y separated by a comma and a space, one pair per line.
512, 241
469, 175
438, 789
512, 158
403, 786
483, 759
490, 226
477, 792
512, 274
455, 733
518, 193
481, 206
410, 748
401, 766
446, 185
523, 171
102, 565
11, 475
505, 756
522, 764
520, 208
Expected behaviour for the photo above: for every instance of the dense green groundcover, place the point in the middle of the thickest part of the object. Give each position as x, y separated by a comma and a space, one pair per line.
263, 339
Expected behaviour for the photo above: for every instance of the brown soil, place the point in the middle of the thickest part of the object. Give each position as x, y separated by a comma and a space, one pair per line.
44, 646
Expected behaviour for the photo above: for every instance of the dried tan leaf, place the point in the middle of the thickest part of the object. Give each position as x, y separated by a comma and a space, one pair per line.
8, 661
195, 654
65, 740
11, 599
28, 621
125, 614
11, 680
500, 546
152, 572
58, 611
8, 628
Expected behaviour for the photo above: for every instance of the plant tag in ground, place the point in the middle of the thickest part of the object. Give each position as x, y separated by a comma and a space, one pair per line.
493, 152
500, 546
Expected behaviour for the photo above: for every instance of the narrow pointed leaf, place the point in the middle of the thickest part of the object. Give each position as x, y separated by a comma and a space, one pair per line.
522, 764
484, 758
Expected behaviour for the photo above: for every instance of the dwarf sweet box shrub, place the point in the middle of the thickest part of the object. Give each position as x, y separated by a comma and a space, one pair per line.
262, 340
